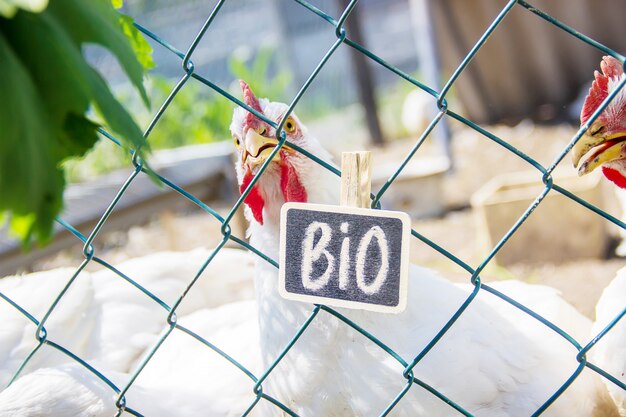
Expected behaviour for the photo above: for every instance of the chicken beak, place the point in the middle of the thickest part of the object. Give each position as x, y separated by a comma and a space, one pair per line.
584, 145
611, 153
258, 148
603, 148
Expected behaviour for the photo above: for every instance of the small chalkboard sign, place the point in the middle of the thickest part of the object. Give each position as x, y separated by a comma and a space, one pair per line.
344, 256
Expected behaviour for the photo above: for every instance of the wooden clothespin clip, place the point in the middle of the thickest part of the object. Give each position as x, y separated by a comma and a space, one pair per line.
348, 255
356, 179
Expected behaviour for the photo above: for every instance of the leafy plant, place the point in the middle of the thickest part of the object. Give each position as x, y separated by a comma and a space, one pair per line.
196, 115
258, 75
47, 89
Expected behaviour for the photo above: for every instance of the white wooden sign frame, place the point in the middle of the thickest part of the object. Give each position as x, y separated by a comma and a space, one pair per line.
404, 261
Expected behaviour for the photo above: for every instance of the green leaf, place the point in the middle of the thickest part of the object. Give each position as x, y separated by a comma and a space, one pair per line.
23, 225
114, 113
31, 184
142, 48
117, 4
79, 136
54, 61
96, 21
68, 85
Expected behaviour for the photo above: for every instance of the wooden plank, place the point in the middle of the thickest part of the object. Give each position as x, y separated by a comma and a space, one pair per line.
356, 179
528, 68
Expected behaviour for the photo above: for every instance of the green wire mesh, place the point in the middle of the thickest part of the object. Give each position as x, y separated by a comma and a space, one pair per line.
256, 381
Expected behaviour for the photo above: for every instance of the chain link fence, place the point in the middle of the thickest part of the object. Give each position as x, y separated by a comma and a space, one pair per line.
443, 111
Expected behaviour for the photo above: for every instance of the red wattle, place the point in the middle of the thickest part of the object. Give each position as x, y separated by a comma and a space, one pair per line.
254, 200
614, 176
293, 190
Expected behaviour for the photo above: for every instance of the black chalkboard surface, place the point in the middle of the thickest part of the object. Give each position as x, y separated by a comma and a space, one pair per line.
344, 256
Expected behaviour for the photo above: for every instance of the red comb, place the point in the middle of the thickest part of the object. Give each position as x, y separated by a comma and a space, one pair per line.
250, 99
611, 68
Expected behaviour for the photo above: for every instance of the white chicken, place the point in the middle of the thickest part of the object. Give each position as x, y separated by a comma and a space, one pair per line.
494, 361
610, 352
602, 145
72, 391
332, 370
110, 323
129, 321
105, 318
185, 378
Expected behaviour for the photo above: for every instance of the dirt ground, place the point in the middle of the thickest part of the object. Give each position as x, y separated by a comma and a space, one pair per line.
477, 160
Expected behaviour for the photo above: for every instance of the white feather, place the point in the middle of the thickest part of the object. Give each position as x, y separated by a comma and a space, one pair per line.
610, 352
70, 324
494, 361
111, 324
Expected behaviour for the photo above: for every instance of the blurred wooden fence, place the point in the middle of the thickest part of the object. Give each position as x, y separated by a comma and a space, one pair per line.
526, 68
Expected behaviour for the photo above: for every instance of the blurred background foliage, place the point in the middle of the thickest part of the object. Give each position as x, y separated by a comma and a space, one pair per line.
197, 115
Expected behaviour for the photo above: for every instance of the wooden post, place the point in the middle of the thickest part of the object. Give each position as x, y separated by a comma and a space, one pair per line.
356, 179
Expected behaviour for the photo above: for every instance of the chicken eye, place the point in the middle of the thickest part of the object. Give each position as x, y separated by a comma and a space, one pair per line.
237, 141
290, 125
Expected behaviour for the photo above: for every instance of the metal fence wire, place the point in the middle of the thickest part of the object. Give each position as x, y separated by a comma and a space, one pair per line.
443, 110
